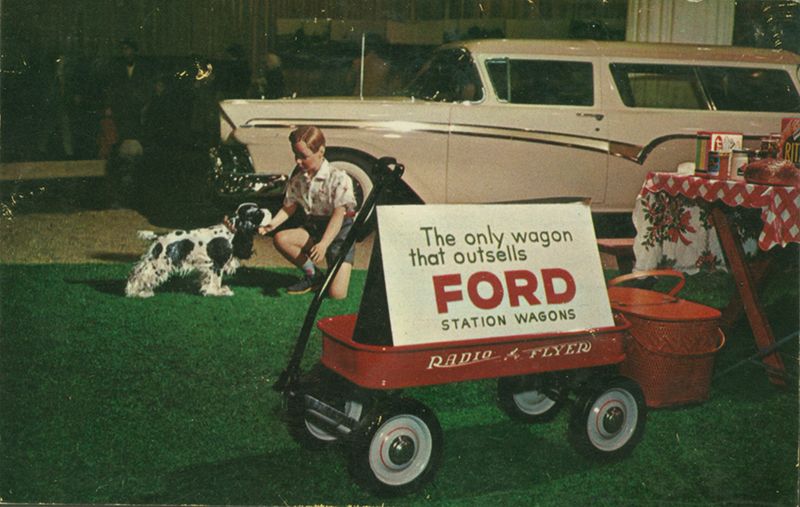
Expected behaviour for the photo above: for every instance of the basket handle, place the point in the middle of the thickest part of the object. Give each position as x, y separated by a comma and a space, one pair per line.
716, 349
653, 272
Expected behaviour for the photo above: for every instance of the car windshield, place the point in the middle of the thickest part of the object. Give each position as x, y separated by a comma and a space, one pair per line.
449, 76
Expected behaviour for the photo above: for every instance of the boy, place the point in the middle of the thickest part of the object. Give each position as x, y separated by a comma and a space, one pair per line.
326, 195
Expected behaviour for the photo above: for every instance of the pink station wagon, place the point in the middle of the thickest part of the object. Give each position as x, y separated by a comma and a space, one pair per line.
495, 121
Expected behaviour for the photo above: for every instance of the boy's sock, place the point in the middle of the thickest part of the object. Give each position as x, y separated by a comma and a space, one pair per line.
308, 268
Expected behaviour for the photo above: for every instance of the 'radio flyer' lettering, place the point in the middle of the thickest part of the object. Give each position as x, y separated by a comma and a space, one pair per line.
545, 352
460, 359
561, 349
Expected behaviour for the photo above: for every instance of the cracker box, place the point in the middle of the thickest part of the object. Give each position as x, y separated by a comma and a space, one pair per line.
790, 140
713, 141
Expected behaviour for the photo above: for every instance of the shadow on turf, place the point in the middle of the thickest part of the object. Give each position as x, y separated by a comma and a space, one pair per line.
114, 257
478, 460
270, 283
271, 479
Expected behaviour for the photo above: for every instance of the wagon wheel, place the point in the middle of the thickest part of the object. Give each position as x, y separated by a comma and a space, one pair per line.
529, 399
398, 449
608, 422
312, 429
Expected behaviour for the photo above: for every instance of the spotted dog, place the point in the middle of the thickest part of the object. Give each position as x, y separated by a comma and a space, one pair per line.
211, 251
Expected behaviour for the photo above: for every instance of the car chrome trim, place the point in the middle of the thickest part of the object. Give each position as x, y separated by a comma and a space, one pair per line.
511, 134
631, 152
534, 136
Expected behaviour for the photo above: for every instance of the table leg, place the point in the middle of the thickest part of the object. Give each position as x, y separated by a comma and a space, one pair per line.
762, 332
758, 269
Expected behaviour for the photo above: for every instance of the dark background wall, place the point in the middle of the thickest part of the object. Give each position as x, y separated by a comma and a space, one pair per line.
57, 55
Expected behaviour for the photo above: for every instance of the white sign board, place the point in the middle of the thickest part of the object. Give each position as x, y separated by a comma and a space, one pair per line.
461, 272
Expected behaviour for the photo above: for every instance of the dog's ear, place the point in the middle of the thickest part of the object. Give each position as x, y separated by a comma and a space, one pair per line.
241, 219
246, 207
250, 217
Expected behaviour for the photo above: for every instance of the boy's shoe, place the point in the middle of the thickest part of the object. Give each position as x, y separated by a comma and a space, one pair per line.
306, 284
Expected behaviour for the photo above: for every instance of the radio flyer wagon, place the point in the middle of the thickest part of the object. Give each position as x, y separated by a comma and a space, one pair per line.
394, 443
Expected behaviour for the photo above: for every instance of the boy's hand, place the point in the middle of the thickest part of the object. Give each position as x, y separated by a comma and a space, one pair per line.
317, 252
263, 231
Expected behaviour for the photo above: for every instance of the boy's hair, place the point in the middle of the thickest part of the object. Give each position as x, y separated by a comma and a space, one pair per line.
310, 135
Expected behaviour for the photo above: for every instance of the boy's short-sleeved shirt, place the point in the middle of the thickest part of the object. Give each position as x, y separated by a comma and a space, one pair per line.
330, 188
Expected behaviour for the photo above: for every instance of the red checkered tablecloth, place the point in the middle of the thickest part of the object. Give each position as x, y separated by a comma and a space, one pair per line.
780, 206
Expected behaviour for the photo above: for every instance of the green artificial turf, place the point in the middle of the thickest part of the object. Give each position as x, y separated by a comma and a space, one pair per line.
106, 399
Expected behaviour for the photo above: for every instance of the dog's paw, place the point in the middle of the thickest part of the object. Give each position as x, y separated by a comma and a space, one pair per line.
142, 294
222, 291
147, 235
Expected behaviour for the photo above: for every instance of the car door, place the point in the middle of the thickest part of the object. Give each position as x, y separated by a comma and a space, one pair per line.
537, 131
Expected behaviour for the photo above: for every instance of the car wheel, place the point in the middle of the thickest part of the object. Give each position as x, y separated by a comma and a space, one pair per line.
358, 167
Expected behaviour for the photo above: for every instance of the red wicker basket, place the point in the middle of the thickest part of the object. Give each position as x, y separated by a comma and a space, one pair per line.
670, 378
670, 351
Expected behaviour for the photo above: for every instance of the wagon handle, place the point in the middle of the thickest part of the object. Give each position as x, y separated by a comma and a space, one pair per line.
654, 272
291, 375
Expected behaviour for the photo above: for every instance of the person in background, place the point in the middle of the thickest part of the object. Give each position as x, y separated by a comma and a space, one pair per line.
129, 90
268, 82
234, 74
127, 94
377, 71
325, 194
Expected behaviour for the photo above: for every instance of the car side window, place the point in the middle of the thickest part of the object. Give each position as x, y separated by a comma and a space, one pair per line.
750, 89
659, 86
705, 87
546, 82
449, 76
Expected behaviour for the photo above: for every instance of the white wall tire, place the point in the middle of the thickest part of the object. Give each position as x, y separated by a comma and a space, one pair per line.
312, 429
358, 167
352, 409
398, 450
529, 399
608, 422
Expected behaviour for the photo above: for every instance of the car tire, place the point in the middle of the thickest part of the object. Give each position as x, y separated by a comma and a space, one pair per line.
361, 169
358, 167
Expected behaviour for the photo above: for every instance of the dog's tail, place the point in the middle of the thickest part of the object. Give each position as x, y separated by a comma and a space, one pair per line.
147, 235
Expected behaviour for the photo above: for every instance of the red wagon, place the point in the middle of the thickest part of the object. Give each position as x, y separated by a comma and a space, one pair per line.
394, 443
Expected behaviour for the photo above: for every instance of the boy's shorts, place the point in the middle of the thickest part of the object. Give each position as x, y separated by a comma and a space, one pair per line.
315, 226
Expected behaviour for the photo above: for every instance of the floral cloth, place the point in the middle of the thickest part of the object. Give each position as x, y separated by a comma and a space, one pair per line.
673, 225
330, 188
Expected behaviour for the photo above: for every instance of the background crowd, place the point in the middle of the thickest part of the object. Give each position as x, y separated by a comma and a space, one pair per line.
153, 119
71, 108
